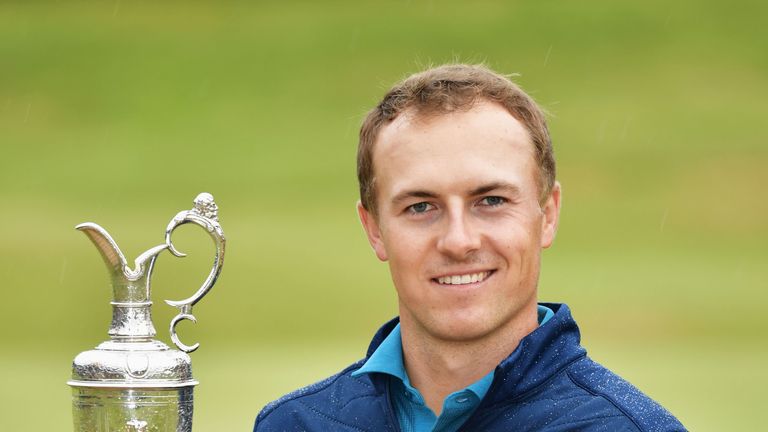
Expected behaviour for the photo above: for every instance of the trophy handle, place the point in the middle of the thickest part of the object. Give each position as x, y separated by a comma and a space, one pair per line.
205, 214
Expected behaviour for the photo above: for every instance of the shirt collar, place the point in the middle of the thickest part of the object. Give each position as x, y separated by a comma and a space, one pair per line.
544, 314
388, 358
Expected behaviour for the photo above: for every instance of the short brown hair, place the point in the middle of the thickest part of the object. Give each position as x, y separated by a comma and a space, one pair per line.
450, 88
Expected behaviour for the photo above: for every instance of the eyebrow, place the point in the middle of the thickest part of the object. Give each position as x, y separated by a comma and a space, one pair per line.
500, 185
402, 196
480, 190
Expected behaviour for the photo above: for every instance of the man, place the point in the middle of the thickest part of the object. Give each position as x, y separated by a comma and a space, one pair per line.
458, 195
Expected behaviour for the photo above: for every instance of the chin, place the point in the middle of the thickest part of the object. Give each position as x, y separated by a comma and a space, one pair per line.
458, 329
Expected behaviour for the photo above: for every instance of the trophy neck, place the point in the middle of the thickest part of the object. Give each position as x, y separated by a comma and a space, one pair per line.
132, 307
132, 322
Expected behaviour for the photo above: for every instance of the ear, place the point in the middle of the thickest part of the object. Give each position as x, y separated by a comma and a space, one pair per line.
371, 227
551, 212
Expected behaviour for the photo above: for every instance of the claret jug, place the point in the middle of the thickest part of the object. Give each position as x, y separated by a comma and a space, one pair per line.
133, 382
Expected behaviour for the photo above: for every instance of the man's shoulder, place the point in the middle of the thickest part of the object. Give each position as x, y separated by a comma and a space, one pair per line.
620, 397
582, 395
338, 402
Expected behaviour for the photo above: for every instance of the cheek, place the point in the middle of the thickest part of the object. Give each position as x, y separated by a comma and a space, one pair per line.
520, 248
404, 243
400, 254
404, 263
408, 258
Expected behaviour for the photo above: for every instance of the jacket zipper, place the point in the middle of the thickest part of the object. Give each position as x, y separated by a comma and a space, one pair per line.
391, 410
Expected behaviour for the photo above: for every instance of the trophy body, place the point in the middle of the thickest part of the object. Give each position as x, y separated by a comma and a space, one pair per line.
106, 410
132, 382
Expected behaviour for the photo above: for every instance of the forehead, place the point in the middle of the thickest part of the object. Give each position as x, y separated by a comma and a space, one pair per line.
485, 143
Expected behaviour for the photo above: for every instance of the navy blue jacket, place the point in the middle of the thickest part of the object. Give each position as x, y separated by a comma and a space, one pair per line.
547, 384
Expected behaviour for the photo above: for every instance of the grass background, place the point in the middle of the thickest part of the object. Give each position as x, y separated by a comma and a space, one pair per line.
120, 112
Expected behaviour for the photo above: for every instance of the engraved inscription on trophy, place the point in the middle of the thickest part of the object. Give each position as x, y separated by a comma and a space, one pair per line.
133, 382
136, 426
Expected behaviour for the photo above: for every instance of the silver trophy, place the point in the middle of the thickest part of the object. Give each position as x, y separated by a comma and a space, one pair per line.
133, 382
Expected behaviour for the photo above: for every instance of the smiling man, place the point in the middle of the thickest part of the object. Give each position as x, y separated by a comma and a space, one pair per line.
458, 195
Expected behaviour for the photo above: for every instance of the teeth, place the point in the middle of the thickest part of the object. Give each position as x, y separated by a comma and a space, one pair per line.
463, 279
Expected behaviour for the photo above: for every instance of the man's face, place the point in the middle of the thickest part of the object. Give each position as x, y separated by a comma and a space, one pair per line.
459, 221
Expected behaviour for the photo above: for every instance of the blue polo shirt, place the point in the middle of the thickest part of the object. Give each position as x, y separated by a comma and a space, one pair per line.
412, 412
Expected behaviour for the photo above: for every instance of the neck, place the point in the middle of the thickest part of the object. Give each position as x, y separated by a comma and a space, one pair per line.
438, 367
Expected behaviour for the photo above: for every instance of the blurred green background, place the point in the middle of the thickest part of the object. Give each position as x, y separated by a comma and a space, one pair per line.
120, 112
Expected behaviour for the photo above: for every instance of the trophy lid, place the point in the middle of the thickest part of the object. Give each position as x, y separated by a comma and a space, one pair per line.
132, 358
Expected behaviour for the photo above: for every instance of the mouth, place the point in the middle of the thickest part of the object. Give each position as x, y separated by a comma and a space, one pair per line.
463, 279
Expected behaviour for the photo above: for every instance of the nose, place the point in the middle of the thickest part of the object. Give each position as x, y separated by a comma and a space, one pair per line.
459, 238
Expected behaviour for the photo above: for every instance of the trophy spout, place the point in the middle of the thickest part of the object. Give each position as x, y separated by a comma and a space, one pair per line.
131, 315
107, 247
117, 266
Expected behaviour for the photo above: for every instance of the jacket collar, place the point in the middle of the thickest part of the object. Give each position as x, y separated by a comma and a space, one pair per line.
540, 355
380, 335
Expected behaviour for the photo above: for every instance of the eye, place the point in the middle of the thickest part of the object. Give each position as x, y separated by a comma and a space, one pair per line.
419, 208
493, 201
